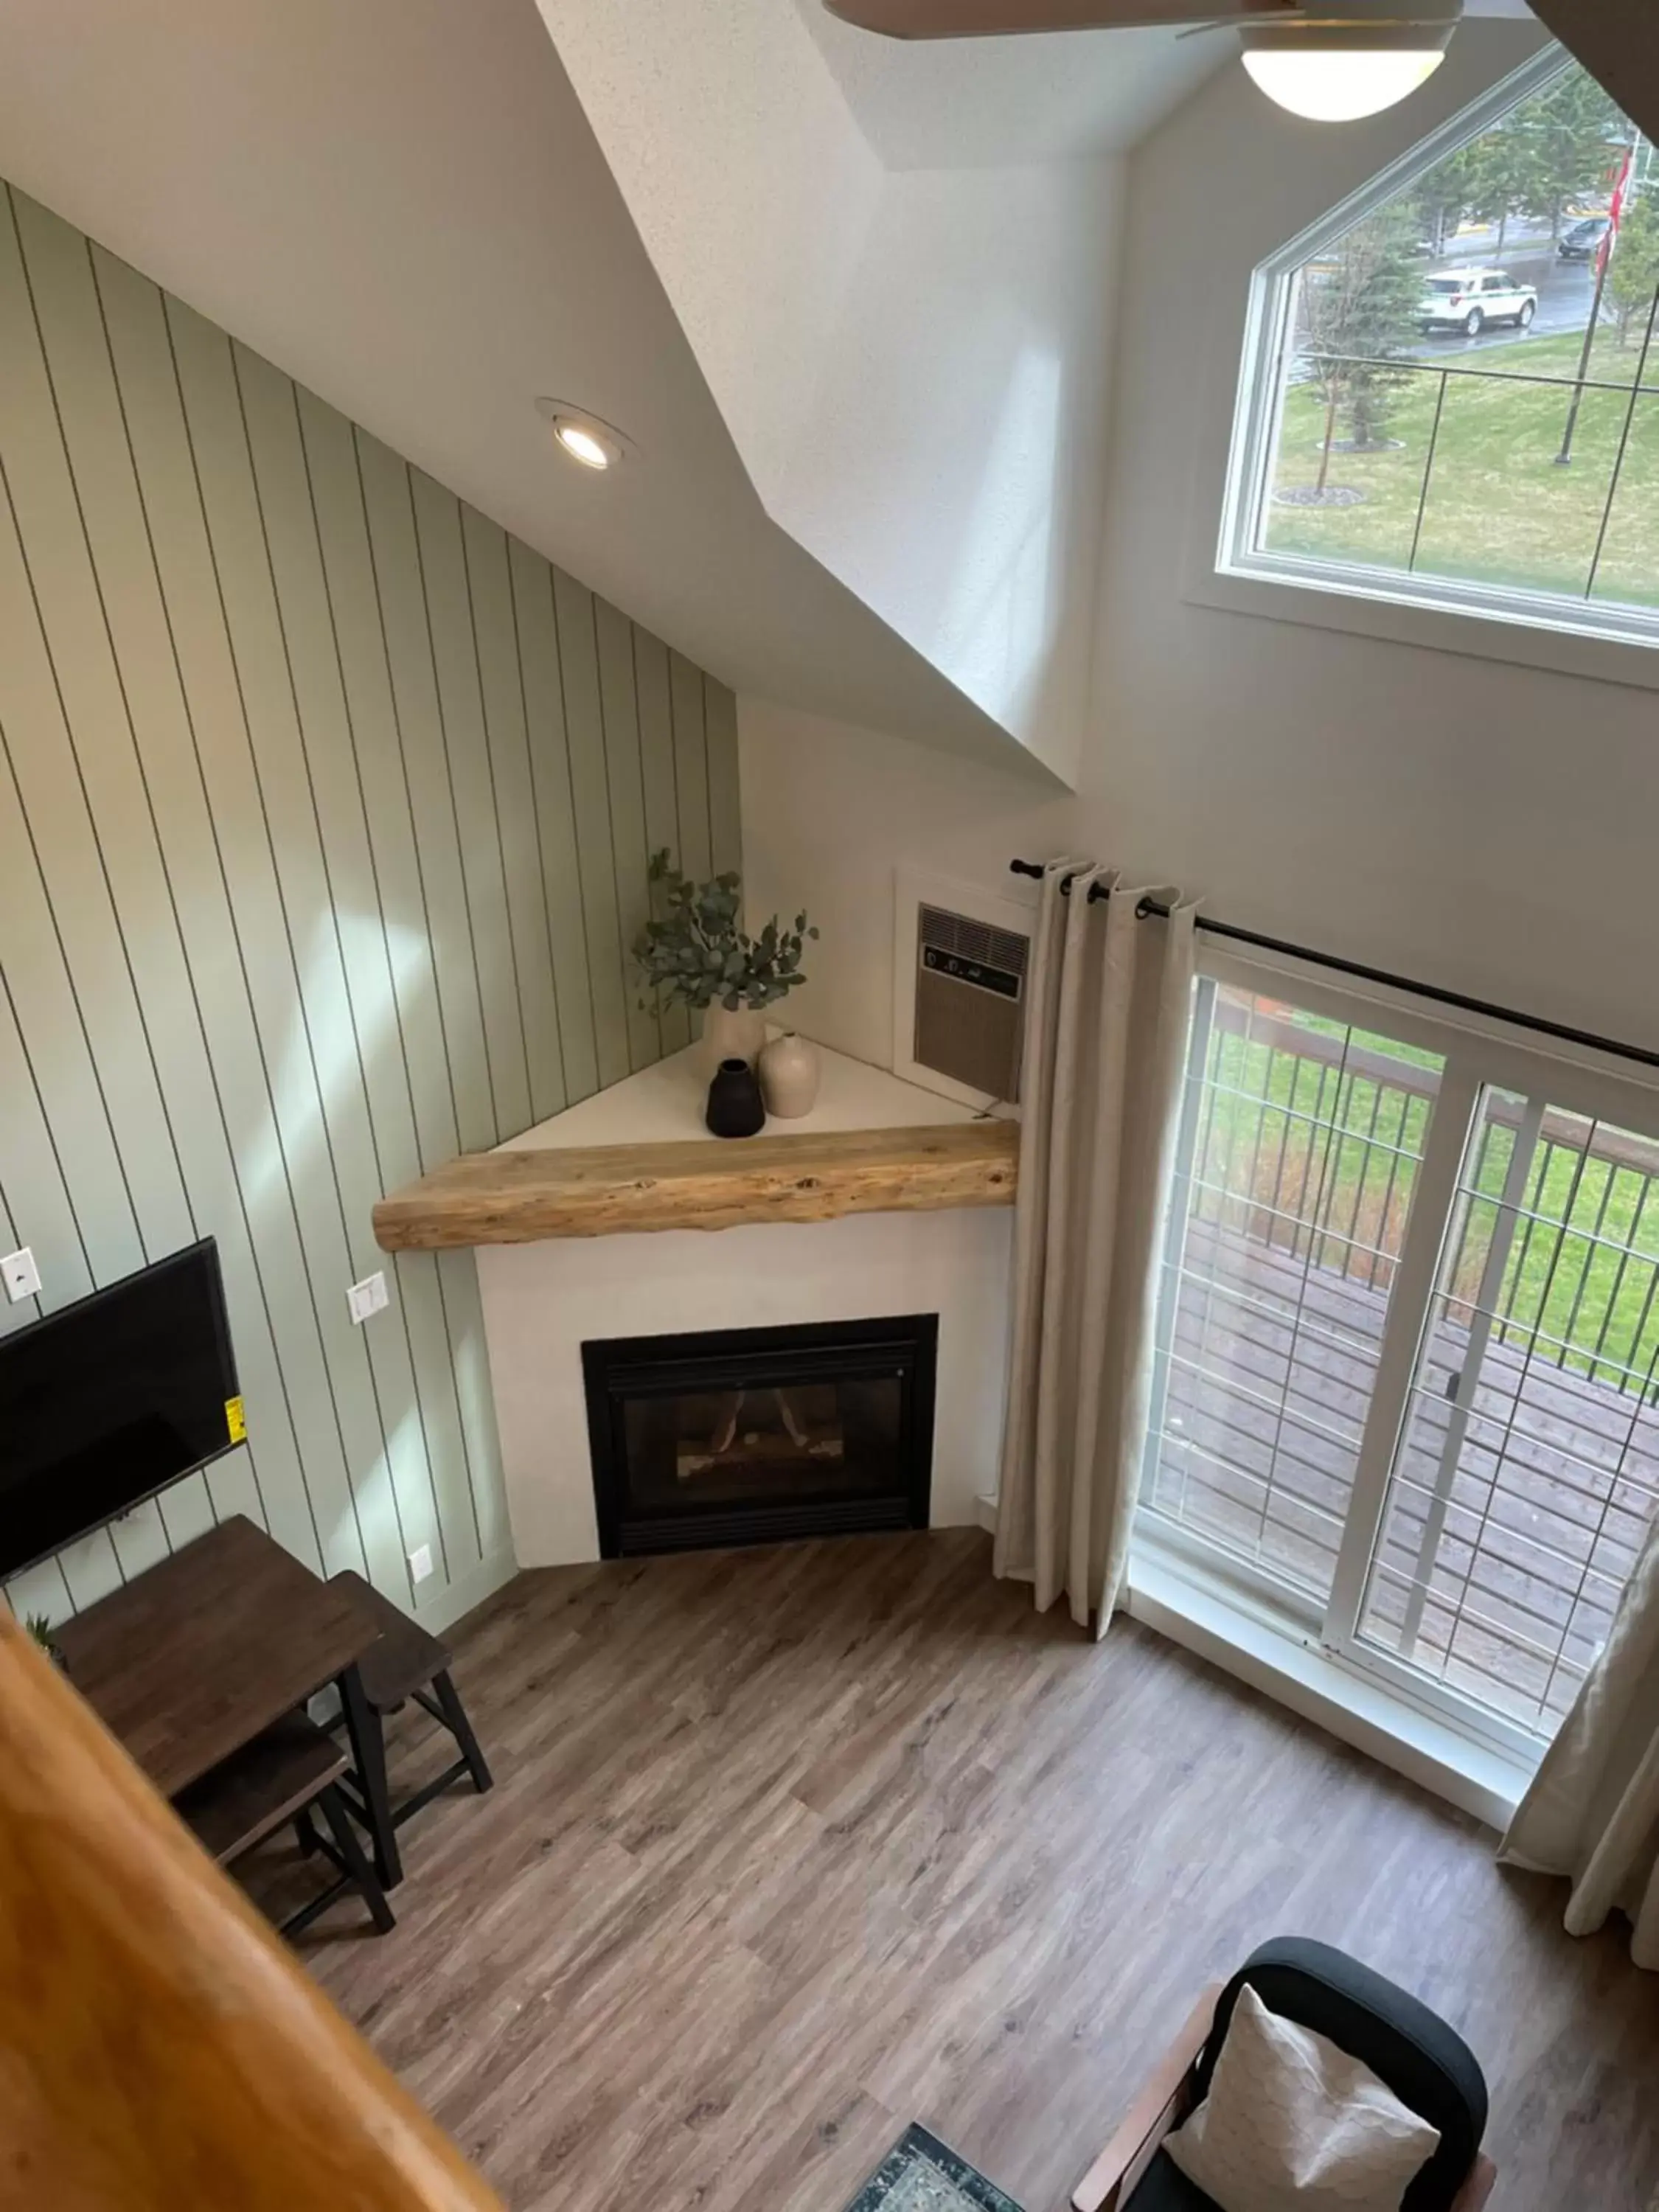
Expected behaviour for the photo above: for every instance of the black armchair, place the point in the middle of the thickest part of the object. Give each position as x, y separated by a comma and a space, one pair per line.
1410, 2049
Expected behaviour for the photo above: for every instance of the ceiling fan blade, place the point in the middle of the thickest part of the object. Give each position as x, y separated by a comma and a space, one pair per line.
980, 18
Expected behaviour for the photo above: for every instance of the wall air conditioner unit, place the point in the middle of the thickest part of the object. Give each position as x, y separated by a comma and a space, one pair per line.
961, 959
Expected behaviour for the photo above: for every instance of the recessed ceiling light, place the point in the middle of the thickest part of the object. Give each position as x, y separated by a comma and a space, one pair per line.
587, 439
1340, 59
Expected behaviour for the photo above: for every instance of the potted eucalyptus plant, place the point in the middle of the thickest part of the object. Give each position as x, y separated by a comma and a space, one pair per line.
694, 952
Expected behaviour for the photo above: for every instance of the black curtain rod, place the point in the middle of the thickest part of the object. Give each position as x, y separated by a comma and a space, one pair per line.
1535, 1023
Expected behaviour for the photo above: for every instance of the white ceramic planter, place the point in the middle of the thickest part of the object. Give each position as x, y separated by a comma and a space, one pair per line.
726, 1036
790, 1069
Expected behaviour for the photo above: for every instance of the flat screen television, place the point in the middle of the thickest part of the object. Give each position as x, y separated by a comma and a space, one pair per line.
108, 1401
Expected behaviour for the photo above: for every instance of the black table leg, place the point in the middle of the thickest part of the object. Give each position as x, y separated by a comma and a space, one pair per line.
369, 1757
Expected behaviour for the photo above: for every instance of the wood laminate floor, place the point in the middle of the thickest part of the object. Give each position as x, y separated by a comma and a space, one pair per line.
790, 1848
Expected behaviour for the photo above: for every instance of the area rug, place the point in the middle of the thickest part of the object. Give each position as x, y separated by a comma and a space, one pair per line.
922, 2174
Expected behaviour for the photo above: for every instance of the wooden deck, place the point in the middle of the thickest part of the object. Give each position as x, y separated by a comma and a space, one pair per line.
1553, 1494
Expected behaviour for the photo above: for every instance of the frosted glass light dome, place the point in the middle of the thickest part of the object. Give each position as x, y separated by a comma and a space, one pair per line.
1340, 87
1341, 59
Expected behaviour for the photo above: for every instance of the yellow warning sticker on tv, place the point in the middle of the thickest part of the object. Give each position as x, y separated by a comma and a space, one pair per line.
236, 1420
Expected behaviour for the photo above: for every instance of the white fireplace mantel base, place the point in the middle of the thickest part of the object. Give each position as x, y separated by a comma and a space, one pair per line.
543, 1301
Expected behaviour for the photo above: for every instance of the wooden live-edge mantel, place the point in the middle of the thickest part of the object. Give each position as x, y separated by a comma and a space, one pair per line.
518, 1197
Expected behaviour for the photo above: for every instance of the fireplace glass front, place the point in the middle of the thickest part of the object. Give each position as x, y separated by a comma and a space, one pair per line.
752, 1435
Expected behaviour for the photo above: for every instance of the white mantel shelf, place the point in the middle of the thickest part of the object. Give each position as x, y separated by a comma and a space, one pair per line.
636, 1157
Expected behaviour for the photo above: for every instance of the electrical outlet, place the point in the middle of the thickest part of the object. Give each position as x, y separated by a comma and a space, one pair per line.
368, 1297
20, 1275
420, 1562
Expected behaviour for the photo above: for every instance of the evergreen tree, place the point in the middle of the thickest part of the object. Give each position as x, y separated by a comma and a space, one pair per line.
1570, 141
1446, 195
1559, 147
1359, 308
1504, 174
1634, 272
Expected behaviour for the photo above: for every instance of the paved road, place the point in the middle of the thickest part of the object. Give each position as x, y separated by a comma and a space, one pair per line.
1565, 290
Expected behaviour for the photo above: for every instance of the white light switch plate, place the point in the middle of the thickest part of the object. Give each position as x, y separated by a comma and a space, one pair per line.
20, 1275
368, 1297
420, 1562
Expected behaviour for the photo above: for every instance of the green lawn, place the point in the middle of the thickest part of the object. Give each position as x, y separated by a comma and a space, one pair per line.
1341, 1168
1498, 509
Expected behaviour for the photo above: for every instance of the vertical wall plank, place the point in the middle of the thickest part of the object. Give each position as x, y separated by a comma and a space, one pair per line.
38, 1023
490, 590
690, 766
555, 824
307, 1029
590, 789
409, 1096
324, 816
725, 825
41, 1216
145, 523
389, 501
471, 783
619, 711
357, 1006
662, 826
398, 909
108, 642
208, 800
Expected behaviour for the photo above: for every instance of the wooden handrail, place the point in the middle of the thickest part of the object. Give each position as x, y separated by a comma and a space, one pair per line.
160, 2047
1621, 1148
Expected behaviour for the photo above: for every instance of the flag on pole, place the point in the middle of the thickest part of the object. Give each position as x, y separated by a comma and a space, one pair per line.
1615, 213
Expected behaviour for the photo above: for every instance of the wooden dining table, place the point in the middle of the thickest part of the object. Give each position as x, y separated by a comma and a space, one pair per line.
191, 1660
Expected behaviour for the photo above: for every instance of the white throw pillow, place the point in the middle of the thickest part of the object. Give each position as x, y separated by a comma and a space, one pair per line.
1292, 2122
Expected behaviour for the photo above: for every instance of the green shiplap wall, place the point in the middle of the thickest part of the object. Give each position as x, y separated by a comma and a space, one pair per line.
325, 814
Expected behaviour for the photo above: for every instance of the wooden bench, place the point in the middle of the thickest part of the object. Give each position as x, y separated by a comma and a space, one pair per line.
284, 1773
405, 1662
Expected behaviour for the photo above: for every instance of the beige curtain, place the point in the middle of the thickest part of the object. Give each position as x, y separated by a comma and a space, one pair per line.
1592, 1813
1105, 1039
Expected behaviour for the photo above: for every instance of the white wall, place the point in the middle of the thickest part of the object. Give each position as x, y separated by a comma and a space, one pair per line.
543, 1301
950, 469
1486, 826
751, 188
831, 811
912, 364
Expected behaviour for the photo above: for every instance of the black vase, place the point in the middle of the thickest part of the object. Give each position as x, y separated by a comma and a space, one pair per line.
736, 1107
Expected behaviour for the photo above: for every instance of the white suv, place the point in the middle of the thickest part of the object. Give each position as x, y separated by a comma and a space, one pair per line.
1467, 300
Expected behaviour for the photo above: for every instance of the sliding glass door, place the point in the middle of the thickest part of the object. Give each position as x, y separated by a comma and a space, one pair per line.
1302, 1142
1525, 1476
1408, 1334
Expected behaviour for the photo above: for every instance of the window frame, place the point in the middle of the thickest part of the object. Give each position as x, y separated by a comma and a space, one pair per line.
1374, 599
1477, 1054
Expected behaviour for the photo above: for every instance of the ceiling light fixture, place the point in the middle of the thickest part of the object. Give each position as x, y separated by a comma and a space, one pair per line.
1343, 59
588, 440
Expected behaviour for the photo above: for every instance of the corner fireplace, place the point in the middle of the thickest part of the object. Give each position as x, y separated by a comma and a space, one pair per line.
754, 1436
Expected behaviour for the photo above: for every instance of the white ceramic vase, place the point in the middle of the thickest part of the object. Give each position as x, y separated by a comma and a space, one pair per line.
790, 1069
728, 1036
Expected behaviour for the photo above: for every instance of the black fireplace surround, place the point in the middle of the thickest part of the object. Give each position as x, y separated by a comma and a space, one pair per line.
756, 1436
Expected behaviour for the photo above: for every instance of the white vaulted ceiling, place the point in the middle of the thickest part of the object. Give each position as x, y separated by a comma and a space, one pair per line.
913, 361
401, 203
851, 301
993, 103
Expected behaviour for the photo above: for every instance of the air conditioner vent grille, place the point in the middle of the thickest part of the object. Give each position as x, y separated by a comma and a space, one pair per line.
969, 1003
975, 940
